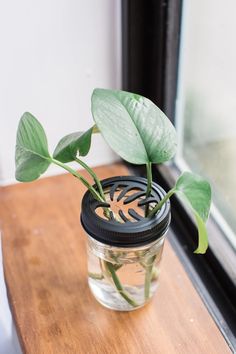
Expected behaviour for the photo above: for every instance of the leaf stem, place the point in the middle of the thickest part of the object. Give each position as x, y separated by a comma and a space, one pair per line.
95, 276
148, 277
94, 176
149, 178
119, 286
80, 177
162, 202
149, 185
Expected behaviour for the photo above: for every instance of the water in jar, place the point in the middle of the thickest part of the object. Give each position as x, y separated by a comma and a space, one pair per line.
122, 278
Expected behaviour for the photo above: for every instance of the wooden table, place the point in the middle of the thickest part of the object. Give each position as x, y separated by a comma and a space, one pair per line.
45, 268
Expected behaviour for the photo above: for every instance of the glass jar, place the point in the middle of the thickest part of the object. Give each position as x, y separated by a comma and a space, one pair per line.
123, 278
125, 249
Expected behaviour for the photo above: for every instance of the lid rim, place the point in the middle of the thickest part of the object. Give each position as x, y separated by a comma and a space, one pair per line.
128, 234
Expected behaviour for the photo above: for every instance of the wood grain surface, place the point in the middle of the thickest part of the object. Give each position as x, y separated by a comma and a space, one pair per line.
44, 250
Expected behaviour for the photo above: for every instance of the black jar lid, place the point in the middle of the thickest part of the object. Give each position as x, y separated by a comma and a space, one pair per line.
141, 230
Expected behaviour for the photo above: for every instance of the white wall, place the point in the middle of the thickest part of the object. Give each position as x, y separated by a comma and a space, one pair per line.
53, 53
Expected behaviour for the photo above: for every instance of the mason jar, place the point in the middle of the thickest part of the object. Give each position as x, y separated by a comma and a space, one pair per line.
124, 244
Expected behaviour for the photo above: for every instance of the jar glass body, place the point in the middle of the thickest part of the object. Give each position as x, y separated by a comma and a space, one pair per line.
124, 279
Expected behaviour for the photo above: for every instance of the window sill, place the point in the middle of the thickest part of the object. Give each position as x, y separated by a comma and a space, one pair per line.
213, 279
45, 270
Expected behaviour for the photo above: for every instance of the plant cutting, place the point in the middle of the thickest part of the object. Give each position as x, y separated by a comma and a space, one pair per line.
126, 217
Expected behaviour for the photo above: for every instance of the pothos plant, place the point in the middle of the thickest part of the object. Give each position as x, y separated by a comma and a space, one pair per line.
138, 131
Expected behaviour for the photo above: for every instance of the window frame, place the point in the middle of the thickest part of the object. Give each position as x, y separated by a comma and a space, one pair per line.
150, 62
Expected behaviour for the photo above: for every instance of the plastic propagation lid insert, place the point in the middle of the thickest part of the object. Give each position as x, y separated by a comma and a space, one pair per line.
126, 202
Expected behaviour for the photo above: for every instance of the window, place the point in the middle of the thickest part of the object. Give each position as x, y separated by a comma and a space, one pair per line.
196, 91
206, 114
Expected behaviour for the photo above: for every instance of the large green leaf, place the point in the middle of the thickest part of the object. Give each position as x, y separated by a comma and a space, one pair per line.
134, 127
196, 191
31, 156
75, 143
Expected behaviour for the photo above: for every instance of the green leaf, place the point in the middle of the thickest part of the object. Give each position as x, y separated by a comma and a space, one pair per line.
134, 127
196, 191
75, 143
202, 235
31, 155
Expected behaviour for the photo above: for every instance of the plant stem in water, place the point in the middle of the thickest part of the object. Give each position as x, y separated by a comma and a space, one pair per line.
95, 276
118, 285
148, 277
